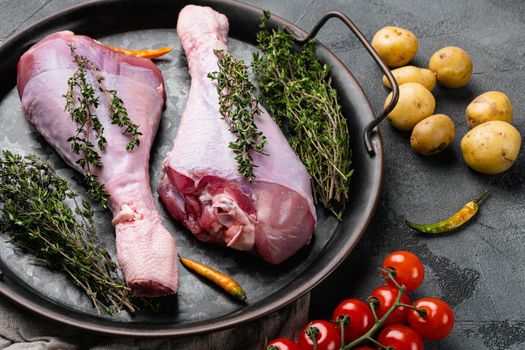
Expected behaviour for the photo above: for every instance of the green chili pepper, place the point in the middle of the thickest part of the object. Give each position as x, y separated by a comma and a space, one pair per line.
466, 213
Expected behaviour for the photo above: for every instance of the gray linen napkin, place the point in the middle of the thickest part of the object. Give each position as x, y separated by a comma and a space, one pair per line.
21, 330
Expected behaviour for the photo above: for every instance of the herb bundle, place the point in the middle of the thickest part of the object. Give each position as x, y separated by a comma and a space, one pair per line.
36, 217
81, 102
298, 94
239, 106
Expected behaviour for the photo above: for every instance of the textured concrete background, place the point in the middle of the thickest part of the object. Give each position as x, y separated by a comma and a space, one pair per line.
478, 270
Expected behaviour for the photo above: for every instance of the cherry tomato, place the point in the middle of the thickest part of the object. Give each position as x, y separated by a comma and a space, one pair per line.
386, 295
328, 338
400, 337
282, 344
361, 318
409, 269
364, 348
438, 322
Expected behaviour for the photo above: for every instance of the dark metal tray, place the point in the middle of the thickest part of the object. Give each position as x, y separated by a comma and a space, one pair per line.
198, 307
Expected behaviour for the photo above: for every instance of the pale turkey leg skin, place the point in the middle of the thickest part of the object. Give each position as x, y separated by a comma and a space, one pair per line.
146, 251
201, 187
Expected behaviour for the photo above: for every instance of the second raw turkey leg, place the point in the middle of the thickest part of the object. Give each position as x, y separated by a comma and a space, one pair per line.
201, 187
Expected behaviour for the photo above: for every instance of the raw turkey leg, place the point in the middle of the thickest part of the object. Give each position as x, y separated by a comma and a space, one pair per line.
275, 216
145, 250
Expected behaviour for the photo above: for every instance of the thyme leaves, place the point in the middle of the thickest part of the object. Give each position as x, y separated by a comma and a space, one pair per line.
42, 215
239, 106
81, 103
297, 92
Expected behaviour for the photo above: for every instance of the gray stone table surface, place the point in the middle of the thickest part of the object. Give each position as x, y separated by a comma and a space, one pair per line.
478, 270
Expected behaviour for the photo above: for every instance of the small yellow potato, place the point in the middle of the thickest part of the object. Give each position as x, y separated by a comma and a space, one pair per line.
433, 134
415, 104
491, 147
452, 65
492, 105
396, 46
412, 74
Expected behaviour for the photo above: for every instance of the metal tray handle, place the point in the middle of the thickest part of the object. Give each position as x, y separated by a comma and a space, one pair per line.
367, 134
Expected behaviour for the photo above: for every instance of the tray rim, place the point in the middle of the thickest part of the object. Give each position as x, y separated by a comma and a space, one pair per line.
27, 303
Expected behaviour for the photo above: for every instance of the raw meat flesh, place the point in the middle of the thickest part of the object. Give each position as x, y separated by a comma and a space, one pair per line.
201, 187
146, 251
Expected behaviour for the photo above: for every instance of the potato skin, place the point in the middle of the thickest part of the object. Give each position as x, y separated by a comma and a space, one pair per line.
491, 105
452, 65
491, 147
415, 104
396, 46
413, 74
432, 134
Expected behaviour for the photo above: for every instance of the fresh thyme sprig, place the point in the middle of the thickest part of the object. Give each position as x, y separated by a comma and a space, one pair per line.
81, 102
298, 94
119, 116
239, 106
37, 218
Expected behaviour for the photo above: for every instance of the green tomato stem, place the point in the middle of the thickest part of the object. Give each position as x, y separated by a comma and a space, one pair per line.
312, 333
391, 274
342, 322
421, 312
376, 343
373, 304
368, 335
